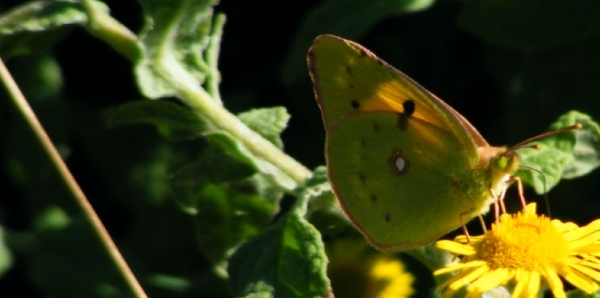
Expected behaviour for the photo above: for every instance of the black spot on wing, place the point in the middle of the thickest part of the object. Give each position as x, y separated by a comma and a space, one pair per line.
350, 86
388, 217
355, 104
373, 198
375, 126
348, 69
457, 185
409, 110
409, 107
402, 121
362, 178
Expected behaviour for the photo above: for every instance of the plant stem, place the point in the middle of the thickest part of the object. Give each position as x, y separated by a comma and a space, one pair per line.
197, 98
103, 26
200, 101
23, 106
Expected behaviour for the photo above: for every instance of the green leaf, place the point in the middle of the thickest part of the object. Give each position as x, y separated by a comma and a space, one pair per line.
6, 258
214, 166
324, 211
168, 282
172, 120
268, 122
228, 143
71, 257
228, 215
577, 293
587, 146
285, 260
52, 218
176, 38
322, 197
217, 166
173, 44
349, 19
228, 204
565, 155
39, 77
530, 25
36, 26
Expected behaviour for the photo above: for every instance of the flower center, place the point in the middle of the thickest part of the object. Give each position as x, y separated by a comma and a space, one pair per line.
525, 241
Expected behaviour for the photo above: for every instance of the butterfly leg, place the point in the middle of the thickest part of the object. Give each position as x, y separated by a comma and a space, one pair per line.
519, 189
498, 204
521, 192
464, 227
496, 211
500, 201
482, 222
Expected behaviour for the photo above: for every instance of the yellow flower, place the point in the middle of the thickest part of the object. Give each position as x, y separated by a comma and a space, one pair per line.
522, 250
355, 270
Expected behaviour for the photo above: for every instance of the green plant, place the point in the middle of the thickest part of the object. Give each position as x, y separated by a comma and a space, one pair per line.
180, 195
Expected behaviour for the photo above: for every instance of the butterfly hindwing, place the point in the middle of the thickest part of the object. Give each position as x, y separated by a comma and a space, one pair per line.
401, 181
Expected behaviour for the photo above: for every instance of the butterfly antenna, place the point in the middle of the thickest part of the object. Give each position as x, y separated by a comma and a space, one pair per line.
523, 144
544, 183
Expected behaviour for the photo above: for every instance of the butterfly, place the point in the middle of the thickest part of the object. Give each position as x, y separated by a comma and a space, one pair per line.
405, 166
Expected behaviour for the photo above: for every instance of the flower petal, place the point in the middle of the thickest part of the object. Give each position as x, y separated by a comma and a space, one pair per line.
489, 280
533, 286
464, 277
522, 279
458, 266
578, 279
554, 282
587, 271
583, 232
456, 248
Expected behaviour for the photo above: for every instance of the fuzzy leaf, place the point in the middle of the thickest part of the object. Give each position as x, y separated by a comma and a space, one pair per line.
285, 260
172, 120
565, 155
172, 43
269, 123
35, 26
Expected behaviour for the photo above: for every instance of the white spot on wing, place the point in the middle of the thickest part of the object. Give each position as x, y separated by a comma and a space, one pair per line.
398, 162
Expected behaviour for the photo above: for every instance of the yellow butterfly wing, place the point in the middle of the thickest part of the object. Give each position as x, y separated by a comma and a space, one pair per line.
348, 78
402, 163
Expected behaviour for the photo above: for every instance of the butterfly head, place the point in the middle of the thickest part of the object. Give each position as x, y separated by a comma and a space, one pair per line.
502, 164
499, 159
508, 162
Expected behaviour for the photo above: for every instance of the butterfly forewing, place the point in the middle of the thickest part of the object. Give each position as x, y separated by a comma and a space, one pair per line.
349, 78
